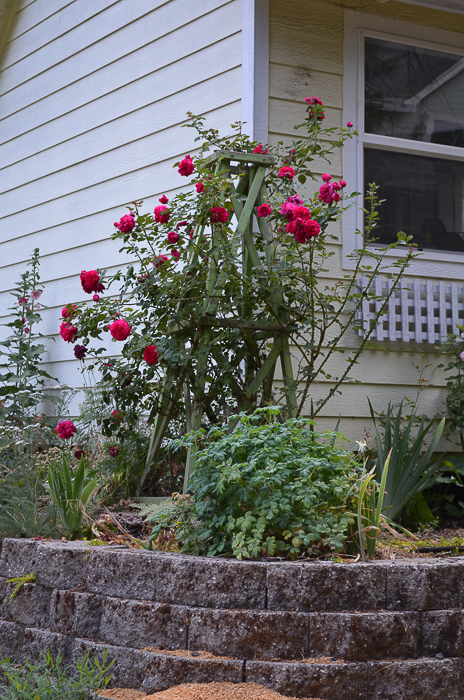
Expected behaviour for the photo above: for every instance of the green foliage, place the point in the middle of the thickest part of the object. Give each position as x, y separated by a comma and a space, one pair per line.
70, 495
454, 347
412, 467
370, 505
18, 582
265, 488
50, 680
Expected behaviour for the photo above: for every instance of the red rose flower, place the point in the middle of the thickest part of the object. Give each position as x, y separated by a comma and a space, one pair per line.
68, 332
264, 210
219, 215
186, 167
259, 150
315, 110
287, 173
151, 355
161, 214
163, 199
160, 260
175, 254
90, 282
126, 223
120, 329
173, 237
200, 187
113, 451
115, 415
65, 429
68, 310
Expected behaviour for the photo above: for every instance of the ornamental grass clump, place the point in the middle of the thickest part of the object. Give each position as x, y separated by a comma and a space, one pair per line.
266, 488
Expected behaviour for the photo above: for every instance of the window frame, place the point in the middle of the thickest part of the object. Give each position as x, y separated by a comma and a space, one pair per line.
358, 25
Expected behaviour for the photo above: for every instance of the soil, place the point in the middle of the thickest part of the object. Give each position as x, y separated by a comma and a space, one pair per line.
406, 547
204, 691
188, 654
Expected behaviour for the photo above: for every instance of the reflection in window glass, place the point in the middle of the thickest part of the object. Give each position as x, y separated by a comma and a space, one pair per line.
414, 93
424, 198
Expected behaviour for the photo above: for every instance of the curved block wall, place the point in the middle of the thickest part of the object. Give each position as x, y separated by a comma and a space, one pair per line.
380, 630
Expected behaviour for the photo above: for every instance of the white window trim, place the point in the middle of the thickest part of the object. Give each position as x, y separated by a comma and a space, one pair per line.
449, 265
255, 68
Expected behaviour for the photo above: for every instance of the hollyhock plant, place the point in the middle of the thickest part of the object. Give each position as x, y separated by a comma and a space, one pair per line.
66, 429
36, 294
79, 352
91, 282
68, 332
126, 223
173, 237
22, 301
218, 215
151, 355
161, 214
287, 173
264, 210
120, 329
186, 167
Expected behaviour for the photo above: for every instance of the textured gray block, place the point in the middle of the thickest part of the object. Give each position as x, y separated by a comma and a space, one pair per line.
365, 636
326, 586
152, 672
30, 605
249, 634
77, 614
425, 585
122, 573
211, 583
11, 640
414, 680
38, 641
340, 681
443, 633
19, 557
139, 624
62, 564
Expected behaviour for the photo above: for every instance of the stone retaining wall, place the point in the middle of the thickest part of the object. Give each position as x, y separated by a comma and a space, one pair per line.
380, 630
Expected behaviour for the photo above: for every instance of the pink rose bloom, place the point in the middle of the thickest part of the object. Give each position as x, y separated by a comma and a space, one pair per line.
160, 260
219, 215
116, 416
120, 329
113, 451
186, 167
96, 297
287, 173
264, 210
163, 199
326, 177
151, 355
259, 150
68, 332
173, 237
313, 101
289, 205
90, 282
65, 429
175, 254
126, 223
68, 310
161, 214
349, 125
200, 187
342, 183
328, 192
315, 110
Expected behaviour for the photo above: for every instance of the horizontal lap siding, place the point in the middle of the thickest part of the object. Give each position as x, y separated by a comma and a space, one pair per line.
93, 98
306, 59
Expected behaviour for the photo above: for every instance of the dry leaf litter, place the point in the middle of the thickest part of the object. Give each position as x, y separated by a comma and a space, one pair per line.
204, 691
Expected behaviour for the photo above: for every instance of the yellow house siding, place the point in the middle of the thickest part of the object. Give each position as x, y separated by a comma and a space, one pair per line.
306, 58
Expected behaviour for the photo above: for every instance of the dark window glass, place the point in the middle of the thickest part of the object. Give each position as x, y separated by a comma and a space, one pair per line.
414, 93
424, 198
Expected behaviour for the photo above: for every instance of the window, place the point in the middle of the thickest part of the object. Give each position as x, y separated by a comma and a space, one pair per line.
404, 89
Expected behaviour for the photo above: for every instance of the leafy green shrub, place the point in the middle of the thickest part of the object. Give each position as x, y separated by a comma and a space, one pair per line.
70, 496
265, 488
50, 680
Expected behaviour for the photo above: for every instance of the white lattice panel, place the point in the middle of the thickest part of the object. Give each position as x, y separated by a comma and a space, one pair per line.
417, 311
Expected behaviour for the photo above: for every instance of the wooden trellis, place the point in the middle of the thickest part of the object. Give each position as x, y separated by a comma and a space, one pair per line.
248, 193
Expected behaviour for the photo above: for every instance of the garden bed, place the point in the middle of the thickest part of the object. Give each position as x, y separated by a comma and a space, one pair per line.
382, 629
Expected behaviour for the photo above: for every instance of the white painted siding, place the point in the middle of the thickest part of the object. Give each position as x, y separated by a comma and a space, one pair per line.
93, 95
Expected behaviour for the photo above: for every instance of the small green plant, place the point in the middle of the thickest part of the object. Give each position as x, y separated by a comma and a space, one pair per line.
50, 680
412, 466
454, 348
70, 495
19, 581
264, 488
370, 505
